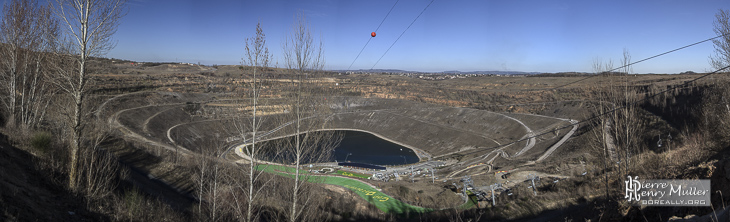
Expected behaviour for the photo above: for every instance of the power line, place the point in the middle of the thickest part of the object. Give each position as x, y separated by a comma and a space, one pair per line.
358, 54
643, 60
404, 32
386, 16
376, 30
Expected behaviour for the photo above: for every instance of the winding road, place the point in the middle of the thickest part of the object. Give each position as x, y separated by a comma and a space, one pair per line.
530, 135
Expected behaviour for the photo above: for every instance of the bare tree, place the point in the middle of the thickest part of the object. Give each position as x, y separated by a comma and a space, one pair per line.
617, 122
303, 57
208, 178
258, 58
88, 27
28, 33
201, 169
620, 122
721, 58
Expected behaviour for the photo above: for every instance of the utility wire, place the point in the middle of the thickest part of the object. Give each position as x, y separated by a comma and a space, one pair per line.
376, 31
643, 60
404, 32
621, 107
685, 84
386, 15
358, 54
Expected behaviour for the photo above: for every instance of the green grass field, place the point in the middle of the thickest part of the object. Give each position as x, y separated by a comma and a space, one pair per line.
382, 201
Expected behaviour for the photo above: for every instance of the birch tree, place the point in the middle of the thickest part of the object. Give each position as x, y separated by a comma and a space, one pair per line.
303, 57
88, 27
209, 179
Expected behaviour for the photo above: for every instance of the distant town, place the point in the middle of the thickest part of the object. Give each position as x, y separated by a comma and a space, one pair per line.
435, 75
445, 75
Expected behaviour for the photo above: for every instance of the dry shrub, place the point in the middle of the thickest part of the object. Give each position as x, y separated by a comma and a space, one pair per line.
675, 162
135, 206
650, 165
41, 141
694, 150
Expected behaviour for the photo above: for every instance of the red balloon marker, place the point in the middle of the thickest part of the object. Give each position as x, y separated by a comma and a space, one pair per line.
372, 34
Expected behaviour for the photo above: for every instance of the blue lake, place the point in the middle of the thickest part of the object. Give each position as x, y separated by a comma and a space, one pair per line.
353, 146
362, 147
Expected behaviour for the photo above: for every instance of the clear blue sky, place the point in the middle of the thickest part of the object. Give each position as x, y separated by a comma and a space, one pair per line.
546, 36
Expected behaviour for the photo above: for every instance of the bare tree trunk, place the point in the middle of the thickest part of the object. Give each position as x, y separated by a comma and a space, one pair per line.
202, 169
76, 142
89, 24
298, 151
